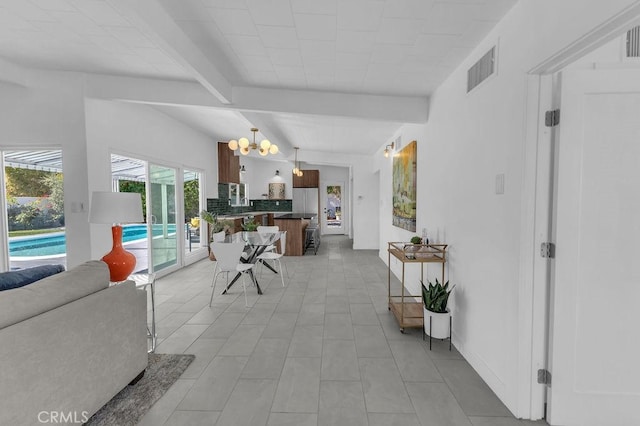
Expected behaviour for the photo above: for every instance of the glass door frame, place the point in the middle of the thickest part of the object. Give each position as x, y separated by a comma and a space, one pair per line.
150, 222
202, 251
339, 230
182, 259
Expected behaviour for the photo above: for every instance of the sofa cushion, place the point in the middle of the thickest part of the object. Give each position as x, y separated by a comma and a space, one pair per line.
21, 303
15, 279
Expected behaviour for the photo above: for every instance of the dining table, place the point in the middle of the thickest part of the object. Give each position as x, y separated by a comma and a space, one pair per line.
255, 244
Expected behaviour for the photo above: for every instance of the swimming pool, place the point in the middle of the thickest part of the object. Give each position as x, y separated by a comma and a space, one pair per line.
55, 244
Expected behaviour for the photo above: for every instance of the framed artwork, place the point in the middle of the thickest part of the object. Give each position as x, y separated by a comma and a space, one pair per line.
404, 187
276, 191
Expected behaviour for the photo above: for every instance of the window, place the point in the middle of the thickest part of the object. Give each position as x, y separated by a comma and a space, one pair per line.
34, 205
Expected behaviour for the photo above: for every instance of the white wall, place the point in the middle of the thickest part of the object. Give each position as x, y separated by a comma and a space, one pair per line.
261, 171
49, 113
142, 132
468, 140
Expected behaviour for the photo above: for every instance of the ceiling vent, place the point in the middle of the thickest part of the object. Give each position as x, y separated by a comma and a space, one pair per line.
481, 70
633, 43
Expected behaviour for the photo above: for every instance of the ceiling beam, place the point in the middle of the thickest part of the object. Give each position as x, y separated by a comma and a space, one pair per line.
149, 91
400, 109
160, 27
12, 73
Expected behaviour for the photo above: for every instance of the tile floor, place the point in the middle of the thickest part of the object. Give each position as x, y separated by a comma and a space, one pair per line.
324, 350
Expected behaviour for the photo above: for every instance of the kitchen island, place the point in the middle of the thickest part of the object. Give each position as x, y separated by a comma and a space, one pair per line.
296, 226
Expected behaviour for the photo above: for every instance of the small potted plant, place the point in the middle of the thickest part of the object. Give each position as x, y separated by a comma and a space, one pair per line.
436, 314
215, 225
416, 240
250, 225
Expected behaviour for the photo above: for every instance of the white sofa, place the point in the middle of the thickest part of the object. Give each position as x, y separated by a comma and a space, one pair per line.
68, 344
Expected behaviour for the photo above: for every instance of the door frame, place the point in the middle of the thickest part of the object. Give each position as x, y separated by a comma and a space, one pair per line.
536, 293
323, 207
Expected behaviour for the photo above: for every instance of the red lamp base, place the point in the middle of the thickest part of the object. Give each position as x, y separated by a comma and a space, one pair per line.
121, 263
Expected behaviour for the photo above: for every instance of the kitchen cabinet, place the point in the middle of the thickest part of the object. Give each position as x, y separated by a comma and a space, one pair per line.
309, 179
228, 164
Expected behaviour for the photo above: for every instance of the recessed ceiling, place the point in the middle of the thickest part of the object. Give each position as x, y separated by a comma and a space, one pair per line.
376, 48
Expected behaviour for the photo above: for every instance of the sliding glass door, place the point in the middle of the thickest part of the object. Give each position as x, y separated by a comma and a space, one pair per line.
162, 203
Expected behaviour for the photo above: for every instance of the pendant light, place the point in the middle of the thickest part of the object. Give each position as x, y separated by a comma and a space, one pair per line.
296, 166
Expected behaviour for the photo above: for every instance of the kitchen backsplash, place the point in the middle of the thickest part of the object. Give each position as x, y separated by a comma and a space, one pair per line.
221, 205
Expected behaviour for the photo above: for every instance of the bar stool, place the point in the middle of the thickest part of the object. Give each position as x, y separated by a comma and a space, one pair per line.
312, 237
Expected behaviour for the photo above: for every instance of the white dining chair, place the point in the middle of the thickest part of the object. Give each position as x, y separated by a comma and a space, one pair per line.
268, 230
228, 256
218, 237
276, 256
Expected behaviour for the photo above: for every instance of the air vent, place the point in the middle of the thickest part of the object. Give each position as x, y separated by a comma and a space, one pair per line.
633, 42
481, 69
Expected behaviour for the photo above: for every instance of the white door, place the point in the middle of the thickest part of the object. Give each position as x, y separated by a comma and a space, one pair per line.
331, 196
595, 307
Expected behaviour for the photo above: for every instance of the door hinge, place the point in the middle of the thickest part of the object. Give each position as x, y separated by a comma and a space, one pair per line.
544, 377
548, 250
552, 118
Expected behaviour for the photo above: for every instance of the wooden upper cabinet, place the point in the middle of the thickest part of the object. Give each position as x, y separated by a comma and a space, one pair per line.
309, 179
228, 164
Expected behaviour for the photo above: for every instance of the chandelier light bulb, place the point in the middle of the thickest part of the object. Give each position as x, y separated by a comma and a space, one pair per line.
273, 149
233, 144
265, 144
263, 151
244, 151
295, 170
300, 173
243, 143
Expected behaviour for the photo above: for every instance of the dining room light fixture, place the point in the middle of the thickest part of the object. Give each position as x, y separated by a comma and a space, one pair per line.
388, 149
264, 148
296, 166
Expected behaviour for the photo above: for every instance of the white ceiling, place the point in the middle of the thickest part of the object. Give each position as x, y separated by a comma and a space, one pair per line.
335, 68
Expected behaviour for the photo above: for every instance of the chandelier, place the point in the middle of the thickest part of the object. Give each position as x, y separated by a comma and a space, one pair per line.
245, 146
296, 166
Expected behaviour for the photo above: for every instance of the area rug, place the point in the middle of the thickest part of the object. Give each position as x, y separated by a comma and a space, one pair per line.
132, 403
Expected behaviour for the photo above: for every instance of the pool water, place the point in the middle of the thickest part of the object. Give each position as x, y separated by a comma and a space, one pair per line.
56, 244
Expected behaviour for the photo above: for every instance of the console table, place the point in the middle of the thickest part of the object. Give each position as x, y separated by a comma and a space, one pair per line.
406, 307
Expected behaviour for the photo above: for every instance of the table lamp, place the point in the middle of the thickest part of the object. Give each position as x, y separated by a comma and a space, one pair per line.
116, 208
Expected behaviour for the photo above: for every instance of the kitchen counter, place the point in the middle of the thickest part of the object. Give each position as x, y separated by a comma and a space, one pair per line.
296, 225
245, 214
297, 216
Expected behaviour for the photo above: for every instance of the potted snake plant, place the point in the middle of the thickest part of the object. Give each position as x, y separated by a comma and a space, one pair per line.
436, 314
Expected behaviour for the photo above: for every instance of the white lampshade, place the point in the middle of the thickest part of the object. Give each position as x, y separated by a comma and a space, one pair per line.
265, 144
243, 142
115, 207
233, 144
273, 149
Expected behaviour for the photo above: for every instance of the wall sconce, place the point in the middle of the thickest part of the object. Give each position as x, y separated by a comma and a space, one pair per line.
388, 149
242, 169
277, 172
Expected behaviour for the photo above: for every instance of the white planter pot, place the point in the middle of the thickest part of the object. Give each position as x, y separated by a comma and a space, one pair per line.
439, 324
